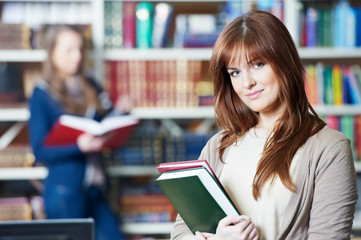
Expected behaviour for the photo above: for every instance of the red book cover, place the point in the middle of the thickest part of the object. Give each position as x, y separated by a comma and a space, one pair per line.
358, 137
183, 165
175, 166
129, 24
115, 129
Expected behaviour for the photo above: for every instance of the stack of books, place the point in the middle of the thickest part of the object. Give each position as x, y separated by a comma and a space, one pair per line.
196, 193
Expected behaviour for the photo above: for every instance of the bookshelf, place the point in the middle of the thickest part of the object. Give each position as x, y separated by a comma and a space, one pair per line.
26, 173
100, 55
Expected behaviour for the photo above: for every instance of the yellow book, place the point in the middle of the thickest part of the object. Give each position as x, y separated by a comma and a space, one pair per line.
337, 85
311, 84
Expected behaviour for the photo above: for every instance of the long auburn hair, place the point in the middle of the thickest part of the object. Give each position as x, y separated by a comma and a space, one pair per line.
260, 35
57, 84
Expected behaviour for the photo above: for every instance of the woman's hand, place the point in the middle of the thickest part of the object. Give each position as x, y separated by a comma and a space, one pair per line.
232, 228
89, 143
124, 104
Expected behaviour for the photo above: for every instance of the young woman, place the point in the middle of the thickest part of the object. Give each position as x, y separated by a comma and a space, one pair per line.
290, 175
75, 183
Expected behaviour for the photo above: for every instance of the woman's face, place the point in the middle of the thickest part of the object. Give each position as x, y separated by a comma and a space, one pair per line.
67, 54
257, 84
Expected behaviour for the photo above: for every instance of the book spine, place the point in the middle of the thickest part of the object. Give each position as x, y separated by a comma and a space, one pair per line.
162, 17
144, 24
129, 24
337, 85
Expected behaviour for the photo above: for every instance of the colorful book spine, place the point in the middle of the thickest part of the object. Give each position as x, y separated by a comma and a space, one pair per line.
166, 83
311, 27
323, 24
337, 85
311, 84
144, 24
320, 83
129, 24
162, 18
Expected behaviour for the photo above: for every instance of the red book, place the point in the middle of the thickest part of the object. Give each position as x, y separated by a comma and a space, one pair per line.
115, 129
175, 166
129, 27
182, 165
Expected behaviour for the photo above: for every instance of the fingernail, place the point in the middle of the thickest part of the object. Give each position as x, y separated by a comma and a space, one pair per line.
242, 218
196, 232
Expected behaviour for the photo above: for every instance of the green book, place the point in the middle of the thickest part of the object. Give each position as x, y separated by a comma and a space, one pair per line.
144, 24
197, 197
328, 91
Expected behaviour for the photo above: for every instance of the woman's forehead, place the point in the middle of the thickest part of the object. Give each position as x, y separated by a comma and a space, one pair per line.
239, 57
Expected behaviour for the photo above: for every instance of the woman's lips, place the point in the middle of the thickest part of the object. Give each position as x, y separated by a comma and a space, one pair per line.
254, 94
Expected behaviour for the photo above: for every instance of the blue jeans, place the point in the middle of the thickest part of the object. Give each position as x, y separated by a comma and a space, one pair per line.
65, 202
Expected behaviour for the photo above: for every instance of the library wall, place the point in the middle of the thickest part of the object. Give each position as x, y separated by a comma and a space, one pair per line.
158, 53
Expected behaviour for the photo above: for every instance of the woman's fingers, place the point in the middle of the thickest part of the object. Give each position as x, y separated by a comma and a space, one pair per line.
254, 234
200, 236
247, 228
231, 220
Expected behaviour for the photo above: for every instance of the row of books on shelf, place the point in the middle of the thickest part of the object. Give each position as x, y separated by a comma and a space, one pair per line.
323, 24
151, 144
14, 36
168, 83
351, 127
36, 13
21, 36
16, 156
23, 24
140, 200
21, 208
11, 83
333, 84
146, 208
147, 24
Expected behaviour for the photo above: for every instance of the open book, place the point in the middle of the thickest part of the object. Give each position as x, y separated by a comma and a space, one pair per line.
197, 196
115, 129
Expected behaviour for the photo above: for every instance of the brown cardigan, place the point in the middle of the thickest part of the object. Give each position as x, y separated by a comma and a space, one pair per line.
324, 203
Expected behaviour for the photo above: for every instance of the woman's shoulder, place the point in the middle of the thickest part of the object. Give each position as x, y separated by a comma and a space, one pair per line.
330, 134
40, 87
327, 138
216, 138
40, 92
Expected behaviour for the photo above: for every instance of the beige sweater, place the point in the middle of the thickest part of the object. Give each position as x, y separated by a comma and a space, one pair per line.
324, 204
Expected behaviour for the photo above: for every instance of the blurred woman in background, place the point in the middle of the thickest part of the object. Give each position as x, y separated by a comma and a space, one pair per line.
74, 187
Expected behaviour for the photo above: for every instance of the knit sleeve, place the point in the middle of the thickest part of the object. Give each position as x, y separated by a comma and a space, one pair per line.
335, 194
43, 114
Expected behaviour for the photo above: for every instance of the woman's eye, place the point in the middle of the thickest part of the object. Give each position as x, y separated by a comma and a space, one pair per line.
234, 73
258, 65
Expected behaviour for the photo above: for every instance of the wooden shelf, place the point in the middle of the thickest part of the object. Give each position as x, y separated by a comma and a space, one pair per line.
131, 171
22, 114
324, 110
14, 114
158, 54
206, 53
329, 53
22, 55
25, 173
147, 228
39, 55
174, 113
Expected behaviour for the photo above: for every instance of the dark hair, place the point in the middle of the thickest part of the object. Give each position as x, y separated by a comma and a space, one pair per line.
50, 41
89, 95
260, 35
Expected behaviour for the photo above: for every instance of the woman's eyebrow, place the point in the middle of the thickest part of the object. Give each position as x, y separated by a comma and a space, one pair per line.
231, 68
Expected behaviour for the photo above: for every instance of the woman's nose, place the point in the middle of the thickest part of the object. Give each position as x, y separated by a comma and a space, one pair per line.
248, 81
